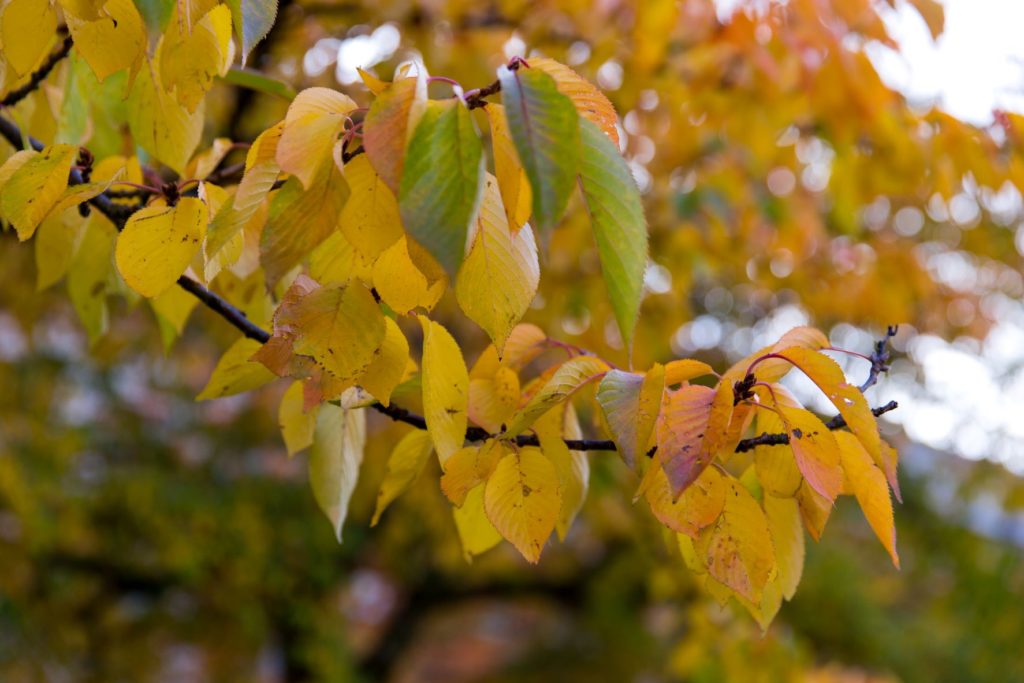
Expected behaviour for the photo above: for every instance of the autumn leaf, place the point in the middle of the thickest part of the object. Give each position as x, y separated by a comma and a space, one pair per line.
563, 383
297, 424
235, 372
631, 404
35, 186
872, 492
522, 499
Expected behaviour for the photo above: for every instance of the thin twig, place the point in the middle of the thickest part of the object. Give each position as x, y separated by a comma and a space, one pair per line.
879, 358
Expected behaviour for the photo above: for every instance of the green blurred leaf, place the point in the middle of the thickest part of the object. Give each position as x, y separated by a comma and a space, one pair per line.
253, 20
545, 129
620, 229
254, 80
443, 181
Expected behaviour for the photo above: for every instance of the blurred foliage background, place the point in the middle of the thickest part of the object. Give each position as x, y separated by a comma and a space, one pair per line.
146, 537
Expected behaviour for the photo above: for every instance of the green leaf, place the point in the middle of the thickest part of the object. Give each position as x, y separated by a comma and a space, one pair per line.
546, 132
443, 181
253, 20
619, 226
254, 80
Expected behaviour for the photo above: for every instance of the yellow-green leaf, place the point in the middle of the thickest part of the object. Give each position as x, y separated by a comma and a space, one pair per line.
191, 57
590, 102
235, 373
783, 515
563, 383
27, 28
406, 462
159, 124
36, 187
573, 467
113, 40
631, 404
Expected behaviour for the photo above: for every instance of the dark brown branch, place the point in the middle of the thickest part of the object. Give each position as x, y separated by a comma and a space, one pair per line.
39, 75
118, 215
879, 358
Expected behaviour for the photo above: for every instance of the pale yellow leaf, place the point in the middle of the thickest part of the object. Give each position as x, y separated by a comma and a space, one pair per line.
573, 467
159, 124
783, 515
469, 467
406, 277
631, 404
334, 460
314, 120
476, 532
297, 424
191, 58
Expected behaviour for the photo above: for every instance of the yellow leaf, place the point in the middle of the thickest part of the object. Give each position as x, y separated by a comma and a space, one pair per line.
847, 398
522, 499
112, 40
631, 404
498, 278
297, 424
738, 548
27, 28
159, 124
334, 460
190, 58
469, 467
783, 516
158, 243
341, 328
815, 450
493, 400
36, 187
523, 345
235, 373
370, 219
314, 120
445, 389
679, 371
564, 382
573, 467
872, 492
698, 506
476, 532
590, 102
406, 462
334, 262
388, 367
516, 197
406, 277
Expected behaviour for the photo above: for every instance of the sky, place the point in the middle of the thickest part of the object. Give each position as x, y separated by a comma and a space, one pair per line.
976, 65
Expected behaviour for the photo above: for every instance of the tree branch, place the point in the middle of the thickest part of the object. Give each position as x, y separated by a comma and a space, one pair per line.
39, 75
118, 215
